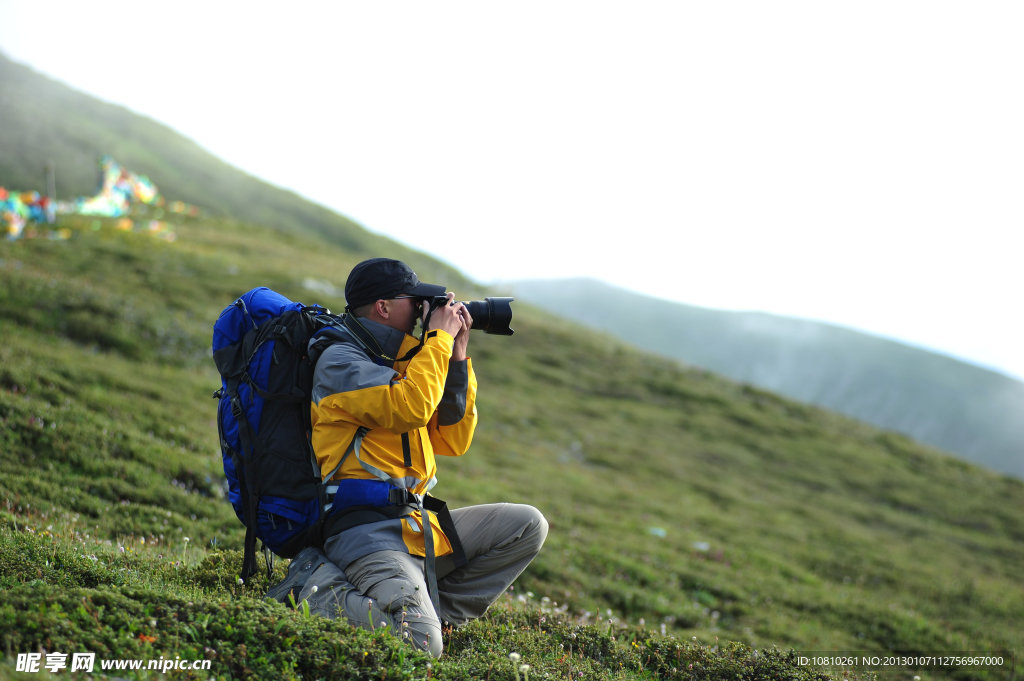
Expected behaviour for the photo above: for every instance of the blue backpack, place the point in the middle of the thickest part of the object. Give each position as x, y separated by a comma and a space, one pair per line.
274, 482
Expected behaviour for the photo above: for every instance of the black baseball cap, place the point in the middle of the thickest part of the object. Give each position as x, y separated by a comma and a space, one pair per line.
380, 278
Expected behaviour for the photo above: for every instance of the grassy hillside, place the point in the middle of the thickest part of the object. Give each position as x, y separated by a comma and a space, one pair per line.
699, 528
949, 404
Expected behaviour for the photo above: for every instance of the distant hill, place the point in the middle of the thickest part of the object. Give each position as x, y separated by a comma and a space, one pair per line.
967, 410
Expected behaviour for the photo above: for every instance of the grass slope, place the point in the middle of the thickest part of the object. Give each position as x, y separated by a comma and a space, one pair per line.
938, 400
699, 528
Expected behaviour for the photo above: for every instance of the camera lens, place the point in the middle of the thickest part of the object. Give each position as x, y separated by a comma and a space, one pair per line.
492, 315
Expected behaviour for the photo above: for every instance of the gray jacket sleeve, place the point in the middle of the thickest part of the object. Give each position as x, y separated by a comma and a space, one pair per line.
453, 401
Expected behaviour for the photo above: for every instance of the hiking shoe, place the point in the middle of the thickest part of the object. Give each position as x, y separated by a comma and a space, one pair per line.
302, 566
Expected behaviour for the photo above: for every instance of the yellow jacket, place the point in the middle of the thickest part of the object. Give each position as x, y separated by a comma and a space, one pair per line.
407, 411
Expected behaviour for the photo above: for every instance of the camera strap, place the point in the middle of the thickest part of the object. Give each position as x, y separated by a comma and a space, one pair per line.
366, 340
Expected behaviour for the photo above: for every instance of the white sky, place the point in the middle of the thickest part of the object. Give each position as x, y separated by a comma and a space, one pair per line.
855, 162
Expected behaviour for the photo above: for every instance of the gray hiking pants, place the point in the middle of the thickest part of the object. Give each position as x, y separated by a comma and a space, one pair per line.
388, 589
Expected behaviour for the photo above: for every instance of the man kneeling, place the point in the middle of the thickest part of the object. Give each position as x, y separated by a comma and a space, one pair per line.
385, 403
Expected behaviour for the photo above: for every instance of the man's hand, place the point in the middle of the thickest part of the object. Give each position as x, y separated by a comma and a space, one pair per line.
454, 318
460, 350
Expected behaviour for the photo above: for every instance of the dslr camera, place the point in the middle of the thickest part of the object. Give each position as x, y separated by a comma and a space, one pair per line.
490, 315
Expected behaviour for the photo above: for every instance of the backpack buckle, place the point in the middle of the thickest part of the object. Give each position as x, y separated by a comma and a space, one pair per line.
399, 497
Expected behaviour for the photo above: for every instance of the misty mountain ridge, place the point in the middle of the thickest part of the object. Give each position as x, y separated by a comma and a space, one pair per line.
971, 411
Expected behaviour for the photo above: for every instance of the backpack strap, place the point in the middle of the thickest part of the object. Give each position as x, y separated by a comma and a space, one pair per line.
247, 485
439, 508
430, 558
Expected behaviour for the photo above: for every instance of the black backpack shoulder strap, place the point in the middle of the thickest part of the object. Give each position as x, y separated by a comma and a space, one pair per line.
325, 337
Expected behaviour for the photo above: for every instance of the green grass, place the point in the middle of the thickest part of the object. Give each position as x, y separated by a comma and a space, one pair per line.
699, 528
136, 604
